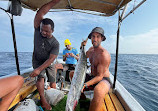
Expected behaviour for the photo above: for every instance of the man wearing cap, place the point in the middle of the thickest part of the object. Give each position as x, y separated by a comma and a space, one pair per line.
46, 49
70, 56
100, 60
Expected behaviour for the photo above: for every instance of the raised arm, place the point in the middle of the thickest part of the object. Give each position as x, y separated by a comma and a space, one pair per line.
42, 11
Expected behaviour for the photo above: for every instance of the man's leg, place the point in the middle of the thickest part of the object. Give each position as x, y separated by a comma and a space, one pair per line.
9, 87
71, 75
67, 76
53, 85
51, 74
40, 88
100, 90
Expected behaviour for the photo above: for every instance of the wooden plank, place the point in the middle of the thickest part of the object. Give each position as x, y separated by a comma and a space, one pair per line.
109, 104
118, 106
103, 107
28, 87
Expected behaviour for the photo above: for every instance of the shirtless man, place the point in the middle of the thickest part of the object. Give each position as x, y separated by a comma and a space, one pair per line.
100, 61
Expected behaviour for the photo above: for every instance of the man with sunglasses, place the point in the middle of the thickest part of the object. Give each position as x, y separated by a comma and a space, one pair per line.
70, 56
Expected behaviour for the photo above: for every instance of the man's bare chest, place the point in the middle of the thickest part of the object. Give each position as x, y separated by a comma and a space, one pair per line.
93, 60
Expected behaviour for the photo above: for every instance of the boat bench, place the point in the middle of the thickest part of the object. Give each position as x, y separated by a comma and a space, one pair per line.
111, 103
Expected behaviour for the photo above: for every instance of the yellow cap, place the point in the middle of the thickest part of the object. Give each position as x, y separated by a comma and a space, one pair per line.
67, 42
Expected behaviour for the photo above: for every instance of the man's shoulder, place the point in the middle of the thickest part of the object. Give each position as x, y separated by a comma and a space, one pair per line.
65, 50
105, 55
104, 52
37, 29
73, 48
53, 40
90, 49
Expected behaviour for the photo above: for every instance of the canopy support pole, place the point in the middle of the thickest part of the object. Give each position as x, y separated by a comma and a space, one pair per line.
120, 19
14, 40
15, 46
117, 49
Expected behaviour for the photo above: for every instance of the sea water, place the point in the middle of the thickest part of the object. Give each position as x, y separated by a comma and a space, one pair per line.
138, 73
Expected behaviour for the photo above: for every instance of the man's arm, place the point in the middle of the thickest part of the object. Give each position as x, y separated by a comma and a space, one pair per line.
43, 66
75, 56
42, 11
65, 56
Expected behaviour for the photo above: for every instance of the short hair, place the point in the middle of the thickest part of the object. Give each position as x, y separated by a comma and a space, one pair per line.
48, 21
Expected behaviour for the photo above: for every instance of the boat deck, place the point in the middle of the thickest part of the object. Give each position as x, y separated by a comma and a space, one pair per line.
111, 103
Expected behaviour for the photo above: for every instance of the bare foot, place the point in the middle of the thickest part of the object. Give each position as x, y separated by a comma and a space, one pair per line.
46, 106
48, 87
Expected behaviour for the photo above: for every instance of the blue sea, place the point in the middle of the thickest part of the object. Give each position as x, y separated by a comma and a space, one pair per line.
137, 73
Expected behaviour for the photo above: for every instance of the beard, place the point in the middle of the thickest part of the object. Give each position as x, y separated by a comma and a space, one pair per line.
96, 44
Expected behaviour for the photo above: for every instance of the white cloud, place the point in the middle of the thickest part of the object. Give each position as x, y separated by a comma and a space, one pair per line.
77, 26
146, 43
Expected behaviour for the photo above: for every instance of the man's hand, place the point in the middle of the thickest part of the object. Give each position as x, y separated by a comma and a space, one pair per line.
67, 54
42, 11
35, 73
71, 54
84, 43
83, 88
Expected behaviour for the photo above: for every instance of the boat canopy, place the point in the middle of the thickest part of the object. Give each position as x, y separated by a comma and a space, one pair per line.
106, 7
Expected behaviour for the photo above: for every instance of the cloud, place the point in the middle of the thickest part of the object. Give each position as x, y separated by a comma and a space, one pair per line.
76, 26
145, 43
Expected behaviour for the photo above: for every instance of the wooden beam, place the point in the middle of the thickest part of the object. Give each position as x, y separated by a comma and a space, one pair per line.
118, 106
109, 104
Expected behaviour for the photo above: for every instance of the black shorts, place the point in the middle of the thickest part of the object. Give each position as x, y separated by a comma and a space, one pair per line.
70, 68
89, 77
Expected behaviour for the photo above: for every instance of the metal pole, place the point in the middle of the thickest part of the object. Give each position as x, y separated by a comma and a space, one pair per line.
15, 47
117, 49
134, 9
120, 19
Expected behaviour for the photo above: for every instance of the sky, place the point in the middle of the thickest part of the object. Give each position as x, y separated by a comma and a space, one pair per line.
138, 33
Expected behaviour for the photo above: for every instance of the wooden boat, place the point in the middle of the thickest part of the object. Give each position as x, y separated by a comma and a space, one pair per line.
118, 98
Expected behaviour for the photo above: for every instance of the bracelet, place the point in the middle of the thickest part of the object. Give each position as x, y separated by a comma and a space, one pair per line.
85, 85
